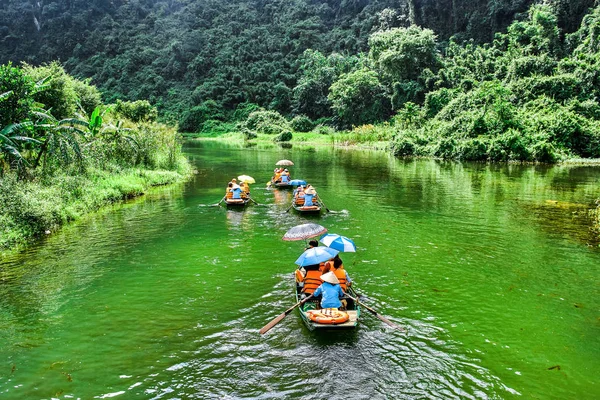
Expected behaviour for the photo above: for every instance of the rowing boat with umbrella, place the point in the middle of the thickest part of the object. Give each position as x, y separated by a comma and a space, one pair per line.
278, 182
309, 261
313, 316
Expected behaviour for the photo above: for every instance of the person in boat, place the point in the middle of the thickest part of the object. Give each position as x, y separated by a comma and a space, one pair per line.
299, 195
309, 278
245, 189
330, 291
311, 244
285, 176
236, 190
337, 267
277, 175
228, 189
309, 195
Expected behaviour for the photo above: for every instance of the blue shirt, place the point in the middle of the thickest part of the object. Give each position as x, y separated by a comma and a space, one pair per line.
331, 295
308, 199
236, 192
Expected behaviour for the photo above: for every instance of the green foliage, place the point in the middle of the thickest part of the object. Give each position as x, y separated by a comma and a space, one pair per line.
402, 53
88, 96
359, 98
243, 110
194, 118
17, 89
59, 97
136, 111
301, 123
269, 122
284, 136
318, 73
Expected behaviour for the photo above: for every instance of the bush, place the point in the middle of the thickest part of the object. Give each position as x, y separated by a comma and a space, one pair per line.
301, 123
243, 110
137, 111
88, 96
18, 106
193, 119
248, 134
59, 96
509, 146
285, 136
268, 122
402, 145
323, 130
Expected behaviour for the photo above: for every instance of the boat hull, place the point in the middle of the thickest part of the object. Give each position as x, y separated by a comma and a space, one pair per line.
307, 210
237, 203
353, 311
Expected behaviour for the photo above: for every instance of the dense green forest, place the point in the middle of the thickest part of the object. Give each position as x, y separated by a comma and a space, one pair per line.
178, 54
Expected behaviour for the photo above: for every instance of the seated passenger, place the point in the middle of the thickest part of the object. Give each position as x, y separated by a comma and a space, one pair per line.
245, 189
330, 290
285, 178
340, 273
237, 191
311, 278
309, 195
228, 192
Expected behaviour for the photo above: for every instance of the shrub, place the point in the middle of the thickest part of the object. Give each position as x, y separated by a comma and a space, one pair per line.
402, 145
268, 122
137, 111
284, 136
508, 146
193, 119
323, 130
59, 96
301, 123
243, 110
248, 134
18, 105
88, 96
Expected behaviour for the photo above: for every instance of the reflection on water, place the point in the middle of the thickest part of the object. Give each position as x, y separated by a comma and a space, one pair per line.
487, 266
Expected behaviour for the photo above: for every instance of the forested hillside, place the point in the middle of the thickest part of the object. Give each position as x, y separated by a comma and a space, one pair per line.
181, 53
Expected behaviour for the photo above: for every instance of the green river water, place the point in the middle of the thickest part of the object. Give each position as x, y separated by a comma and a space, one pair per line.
491, 268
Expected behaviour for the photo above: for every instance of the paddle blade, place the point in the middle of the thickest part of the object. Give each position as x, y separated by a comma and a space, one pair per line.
390, 323
271, 324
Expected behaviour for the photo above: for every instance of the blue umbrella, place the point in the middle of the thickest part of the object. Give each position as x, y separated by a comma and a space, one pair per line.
298, 182
316, 255
337, 242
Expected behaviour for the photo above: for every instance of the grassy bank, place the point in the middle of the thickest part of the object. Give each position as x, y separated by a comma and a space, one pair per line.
64, 154
32, 208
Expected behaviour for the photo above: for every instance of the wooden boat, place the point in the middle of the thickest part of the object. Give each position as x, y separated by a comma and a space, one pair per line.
231, 202
301, 208
352, 309
281, 185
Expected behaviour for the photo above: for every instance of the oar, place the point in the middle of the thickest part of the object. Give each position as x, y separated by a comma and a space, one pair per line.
254, 201
278, 319
321, 200
290, 207
375, 313
219, 203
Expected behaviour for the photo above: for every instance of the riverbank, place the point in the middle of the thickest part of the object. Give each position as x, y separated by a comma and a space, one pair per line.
30, 209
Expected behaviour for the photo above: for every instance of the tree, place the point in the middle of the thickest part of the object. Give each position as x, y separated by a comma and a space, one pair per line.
402, 53
359, 98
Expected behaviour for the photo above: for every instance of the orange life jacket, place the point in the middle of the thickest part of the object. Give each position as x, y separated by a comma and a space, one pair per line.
340, 273
312, 280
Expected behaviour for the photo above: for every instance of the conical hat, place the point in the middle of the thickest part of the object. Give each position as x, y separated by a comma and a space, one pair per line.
331, 278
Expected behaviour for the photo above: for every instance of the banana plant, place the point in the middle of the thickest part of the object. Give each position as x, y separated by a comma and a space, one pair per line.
12, 142
59, 139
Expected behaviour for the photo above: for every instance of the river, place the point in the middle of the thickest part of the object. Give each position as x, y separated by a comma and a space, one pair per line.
492, 270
